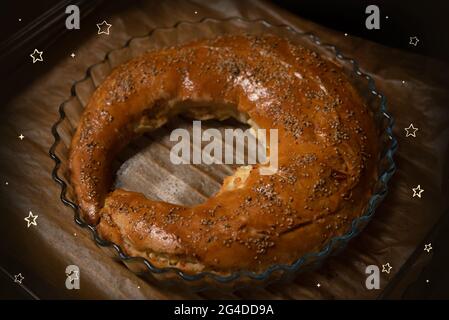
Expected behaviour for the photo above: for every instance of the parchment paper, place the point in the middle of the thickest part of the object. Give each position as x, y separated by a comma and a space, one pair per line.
414, 86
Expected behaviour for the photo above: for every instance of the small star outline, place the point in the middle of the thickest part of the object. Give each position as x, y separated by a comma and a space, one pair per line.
417, 191
411, 131
18, 278
104, 27
414, 41
428, 247
31, 219
37, 56
386, 268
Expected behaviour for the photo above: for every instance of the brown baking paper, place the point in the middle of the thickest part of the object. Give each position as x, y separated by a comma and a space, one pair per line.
415, 91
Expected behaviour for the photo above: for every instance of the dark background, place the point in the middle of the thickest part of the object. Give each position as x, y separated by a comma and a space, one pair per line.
42, 23
429, 20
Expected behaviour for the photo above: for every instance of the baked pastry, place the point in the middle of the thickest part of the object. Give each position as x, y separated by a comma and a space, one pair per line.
328, 154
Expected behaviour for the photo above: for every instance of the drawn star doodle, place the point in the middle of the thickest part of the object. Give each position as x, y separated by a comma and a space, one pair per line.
386, 267
104, 27
37, 56
411, 131
417, 191
31, 219
18, 278
414, 41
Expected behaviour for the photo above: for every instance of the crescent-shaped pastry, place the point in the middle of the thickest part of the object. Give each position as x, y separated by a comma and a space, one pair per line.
328, 154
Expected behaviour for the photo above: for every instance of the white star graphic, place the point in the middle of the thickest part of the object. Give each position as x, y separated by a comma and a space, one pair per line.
21, 137
318, 285
18, 278
31, 219
72, 55
103, 27
417, 191
414, 41
386, 267
428, 247
411, 131
37, 56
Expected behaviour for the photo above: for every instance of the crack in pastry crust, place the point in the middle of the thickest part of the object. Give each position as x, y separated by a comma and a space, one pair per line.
328, 154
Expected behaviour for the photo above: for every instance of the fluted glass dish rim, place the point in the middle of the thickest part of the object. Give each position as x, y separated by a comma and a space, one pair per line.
357, 224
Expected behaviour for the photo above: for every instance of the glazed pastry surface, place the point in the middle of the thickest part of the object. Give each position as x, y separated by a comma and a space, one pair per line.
328, 152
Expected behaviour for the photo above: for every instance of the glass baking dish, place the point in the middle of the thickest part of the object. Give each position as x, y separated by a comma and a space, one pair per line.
182, 32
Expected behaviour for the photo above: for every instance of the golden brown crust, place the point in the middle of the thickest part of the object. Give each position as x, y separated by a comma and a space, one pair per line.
328, 152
